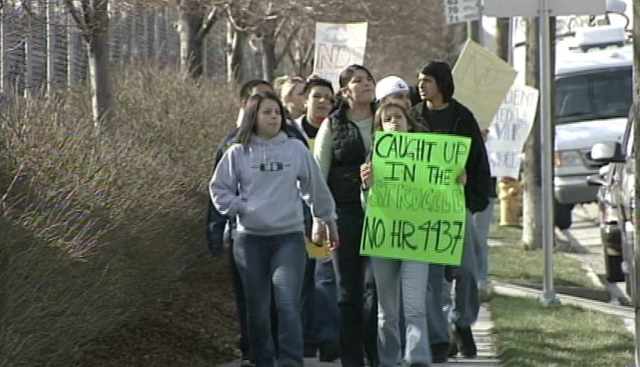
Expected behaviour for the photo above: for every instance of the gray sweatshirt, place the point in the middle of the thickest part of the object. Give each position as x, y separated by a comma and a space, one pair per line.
261, 183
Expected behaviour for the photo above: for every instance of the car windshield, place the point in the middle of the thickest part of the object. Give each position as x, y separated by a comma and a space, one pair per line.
598, 95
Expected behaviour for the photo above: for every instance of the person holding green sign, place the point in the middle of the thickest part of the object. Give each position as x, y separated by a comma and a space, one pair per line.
400, 283
439, 112
341, 146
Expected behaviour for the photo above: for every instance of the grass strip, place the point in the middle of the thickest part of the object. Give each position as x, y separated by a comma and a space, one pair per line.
531, 335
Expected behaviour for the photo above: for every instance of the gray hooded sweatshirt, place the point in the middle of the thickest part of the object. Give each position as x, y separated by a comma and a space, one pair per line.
261, 183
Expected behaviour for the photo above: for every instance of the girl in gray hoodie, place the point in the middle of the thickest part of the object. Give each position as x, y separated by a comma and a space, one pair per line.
260, 181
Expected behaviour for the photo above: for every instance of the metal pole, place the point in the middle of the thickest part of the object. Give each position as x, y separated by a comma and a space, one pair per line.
549, 295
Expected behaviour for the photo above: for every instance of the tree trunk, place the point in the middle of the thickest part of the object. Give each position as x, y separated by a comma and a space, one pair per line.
190, 22
51, 47
4, 52
98, 47
29, 80
268, 57
532, 189
474, 31
532, 165
502, 39
235, 54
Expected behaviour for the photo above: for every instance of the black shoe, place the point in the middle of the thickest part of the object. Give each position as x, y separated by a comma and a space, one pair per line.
328, 352
453, 348
440, 352
310, 351
467, 345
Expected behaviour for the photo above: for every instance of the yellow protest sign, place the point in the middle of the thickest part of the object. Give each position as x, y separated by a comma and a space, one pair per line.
416, 207
482, 80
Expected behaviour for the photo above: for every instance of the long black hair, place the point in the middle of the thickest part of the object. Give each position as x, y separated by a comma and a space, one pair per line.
250, 117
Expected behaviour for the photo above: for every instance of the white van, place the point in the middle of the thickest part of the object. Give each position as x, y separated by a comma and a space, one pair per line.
592, 98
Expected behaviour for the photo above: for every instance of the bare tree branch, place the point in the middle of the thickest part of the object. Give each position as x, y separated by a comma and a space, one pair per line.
88, 15
286, 46
234, 22
76, 17
279, 27
211, 19
309, 54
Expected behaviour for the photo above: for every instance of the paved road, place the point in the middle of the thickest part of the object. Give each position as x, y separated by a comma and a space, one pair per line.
584, 237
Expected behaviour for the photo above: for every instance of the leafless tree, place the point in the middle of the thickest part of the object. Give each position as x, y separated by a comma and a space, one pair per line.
92, 17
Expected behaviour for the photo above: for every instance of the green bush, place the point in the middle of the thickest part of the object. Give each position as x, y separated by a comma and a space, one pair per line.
95, 229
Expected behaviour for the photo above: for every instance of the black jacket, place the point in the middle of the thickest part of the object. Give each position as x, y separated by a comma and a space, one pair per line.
349, 153
479, 185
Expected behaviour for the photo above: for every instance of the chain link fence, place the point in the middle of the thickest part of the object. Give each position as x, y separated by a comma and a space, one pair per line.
41, 47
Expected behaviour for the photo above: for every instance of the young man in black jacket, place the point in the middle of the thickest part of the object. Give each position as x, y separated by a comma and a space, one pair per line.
439, 112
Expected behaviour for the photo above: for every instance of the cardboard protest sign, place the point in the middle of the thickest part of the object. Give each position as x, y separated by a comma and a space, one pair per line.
416, 207
338, 46
482, 80
509, 130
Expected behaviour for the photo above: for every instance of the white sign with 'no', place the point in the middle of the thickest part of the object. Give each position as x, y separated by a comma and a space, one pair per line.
460, 11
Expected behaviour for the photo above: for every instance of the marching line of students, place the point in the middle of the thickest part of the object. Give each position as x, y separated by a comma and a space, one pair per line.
286, 182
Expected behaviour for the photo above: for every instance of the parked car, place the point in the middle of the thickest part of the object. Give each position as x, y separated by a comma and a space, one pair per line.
609, 220
593, 92
621, 158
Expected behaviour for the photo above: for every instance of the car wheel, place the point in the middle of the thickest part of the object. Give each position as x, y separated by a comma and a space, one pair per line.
613, 268
627, 285
562, 214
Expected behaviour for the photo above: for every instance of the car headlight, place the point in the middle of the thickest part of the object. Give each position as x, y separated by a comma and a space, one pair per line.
568, 158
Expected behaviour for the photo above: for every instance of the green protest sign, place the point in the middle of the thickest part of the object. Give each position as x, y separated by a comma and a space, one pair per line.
416, 207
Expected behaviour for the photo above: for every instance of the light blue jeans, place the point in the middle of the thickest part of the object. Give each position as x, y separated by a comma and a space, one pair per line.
277, 260
482, 221
396, 278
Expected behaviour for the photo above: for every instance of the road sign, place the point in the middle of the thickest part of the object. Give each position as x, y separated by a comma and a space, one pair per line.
529, 8
460, 11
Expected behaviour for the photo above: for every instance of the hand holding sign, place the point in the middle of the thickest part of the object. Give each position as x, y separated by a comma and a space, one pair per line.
366, 175
332, 233
318, 231
325, 234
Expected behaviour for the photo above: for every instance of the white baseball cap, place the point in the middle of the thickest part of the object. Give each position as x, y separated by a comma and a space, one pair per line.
390, 85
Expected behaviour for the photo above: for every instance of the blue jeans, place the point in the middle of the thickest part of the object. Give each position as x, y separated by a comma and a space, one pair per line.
406, 279
466, 303
264, 262
326, 323
482, 221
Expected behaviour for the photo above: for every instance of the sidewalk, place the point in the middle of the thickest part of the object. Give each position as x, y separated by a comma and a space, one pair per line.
484, 340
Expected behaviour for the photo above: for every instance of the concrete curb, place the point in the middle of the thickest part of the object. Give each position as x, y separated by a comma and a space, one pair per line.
511, 290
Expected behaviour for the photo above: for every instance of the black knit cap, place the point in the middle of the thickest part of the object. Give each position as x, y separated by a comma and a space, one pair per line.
441, 72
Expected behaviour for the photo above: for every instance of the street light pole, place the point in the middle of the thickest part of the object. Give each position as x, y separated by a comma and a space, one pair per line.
548, 296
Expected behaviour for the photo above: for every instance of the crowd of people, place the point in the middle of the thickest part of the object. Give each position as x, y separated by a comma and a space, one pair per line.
294, 174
